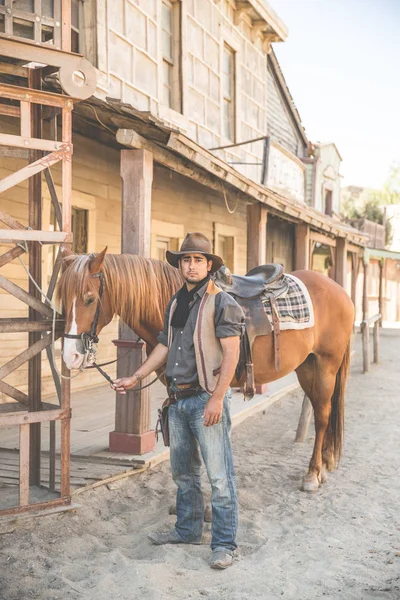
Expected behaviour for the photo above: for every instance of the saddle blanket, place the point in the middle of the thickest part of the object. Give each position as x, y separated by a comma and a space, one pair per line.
294, 305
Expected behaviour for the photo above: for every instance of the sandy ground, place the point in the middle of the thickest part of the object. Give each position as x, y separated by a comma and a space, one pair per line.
342, 543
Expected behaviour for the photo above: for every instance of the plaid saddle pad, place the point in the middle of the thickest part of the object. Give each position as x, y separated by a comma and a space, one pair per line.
294, 305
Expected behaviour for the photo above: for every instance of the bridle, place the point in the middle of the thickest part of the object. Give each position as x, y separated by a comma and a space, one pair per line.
90, 339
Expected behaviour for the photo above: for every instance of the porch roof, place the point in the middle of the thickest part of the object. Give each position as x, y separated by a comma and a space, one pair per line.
121, 125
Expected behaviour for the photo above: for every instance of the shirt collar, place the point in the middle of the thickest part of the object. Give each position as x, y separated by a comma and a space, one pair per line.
200, 293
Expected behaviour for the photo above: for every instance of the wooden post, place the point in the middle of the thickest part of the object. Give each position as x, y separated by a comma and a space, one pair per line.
341, 261
376, 341
365, 346
257, 216
381, 263
355, 262
31, 125
256, 235
132, 433
302, 247
304, 420
365, 292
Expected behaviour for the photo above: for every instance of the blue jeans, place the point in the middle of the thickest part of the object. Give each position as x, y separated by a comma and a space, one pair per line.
189, 438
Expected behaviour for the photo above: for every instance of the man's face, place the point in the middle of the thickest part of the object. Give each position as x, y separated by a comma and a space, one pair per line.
194, 267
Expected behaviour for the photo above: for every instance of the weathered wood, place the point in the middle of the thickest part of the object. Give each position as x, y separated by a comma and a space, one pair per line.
256, 235
11, 391
26, 355
52, 456
10, 255
365, 346
54, 276
54, 372
22, 295
14, 92
54, 197
304, 420
209, 170
133, 409
24, 440
38, 506
302, 247
24, 325
8, 110
10, 221
380, 292
30, 170
322, 239
15, 70
376, 341
365, 292
341, 262
32, 143
26, 417
34, 235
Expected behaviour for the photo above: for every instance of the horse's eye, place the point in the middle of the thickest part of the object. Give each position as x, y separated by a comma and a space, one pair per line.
89, 301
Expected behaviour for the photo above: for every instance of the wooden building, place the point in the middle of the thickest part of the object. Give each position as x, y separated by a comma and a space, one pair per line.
190, 99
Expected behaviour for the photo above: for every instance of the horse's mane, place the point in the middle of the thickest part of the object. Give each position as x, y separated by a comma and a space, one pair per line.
139, 288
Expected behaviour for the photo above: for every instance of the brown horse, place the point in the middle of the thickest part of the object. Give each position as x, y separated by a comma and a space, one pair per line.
138, 290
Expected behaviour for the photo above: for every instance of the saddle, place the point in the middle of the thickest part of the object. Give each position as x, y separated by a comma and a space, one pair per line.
265, 281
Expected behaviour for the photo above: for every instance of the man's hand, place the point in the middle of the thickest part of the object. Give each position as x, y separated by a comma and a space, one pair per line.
213, 411
125, 383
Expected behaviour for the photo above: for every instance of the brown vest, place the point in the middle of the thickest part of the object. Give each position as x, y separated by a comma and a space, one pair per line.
208, 349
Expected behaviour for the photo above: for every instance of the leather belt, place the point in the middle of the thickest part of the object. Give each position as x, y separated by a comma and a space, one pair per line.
184, 391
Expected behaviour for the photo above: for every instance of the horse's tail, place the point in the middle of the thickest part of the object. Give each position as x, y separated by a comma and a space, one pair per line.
336, 420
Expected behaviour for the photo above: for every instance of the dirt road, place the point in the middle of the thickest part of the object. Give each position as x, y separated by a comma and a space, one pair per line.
342, 543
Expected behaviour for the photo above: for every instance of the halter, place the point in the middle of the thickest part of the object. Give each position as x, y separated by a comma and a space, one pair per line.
90, 339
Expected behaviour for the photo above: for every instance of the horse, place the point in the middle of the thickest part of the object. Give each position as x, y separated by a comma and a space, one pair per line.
95, 287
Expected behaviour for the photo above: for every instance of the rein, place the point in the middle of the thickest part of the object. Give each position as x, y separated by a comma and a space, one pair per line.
90, 338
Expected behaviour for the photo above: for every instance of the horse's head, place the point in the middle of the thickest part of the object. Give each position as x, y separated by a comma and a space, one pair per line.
86, 303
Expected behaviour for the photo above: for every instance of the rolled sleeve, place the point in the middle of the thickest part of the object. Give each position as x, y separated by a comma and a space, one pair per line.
229, 317
162, 337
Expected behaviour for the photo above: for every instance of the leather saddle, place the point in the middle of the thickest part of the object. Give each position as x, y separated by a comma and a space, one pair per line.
264, 281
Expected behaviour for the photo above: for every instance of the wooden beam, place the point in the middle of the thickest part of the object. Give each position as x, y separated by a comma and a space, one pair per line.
30, 235
302, 247
30, 170
10, 255
32, 143
22, 295
322, 239
10, 221
25, 417
11, 391
10, 111
54, 197
257, 215
341, 262
132, 418
24, 325
26, 355
24, 443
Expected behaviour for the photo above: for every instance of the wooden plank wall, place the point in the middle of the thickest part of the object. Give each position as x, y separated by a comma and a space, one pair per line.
95, 171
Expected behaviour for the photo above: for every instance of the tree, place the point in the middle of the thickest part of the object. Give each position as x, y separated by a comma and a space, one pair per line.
390, 193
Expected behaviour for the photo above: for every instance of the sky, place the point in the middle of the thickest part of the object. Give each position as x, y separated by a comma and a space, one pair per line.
341, 61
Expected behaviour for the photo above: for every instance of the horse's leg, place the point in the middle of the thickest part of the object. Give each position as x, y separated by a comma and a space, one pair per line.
317, 376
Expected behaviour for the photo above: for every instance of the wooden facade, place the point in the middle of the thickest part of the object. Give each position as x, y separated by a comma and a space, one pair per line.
192, 187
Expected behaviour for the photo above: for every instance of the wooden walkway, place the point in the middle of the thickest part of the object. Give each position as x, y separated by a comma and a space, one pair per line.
91, 463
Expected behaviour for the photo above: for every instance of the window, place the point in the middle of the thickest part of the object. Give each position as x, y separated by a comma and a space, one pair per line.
165, 236
328, 202
170, 70
228, 90
225, 245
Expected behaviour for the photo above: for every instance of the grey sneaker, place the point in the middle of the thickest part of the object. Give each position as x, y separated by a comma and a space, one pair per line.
221, 559
169, 537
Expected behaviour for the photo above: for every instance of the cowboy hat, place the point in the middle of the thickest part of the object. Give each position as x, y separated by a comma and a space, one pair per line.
195, 243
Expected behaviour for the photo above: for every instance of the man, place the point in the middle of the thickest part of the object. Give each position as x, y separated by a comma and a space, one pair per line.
200, 345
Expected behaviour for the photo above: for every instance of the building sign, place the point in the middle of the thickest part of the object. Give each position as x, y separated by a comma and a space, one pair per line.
286, 173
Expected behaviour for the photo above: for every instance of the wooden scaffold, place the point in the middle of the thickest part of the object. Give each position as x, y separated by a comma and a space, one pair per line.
31, 61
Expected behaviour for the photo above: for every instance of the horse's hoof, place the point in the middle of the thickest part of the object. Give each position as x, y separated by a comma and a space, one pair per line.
172, 509
310, 484
323, 477
208, 514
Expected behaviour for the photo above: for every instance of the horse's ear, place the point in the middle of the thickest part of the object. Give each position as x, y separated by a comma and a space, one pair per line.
97, 262
65, 252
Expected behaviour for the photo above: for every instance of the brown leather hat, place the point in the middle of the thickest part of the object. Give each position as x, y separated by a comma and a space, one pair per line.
195, 243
